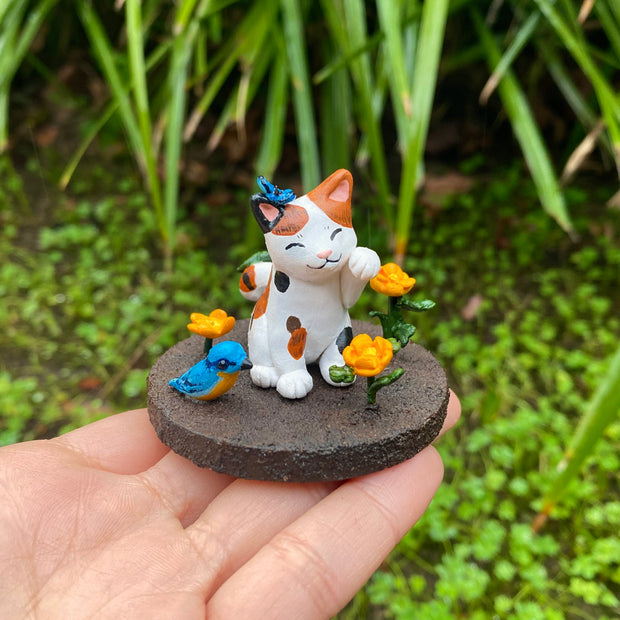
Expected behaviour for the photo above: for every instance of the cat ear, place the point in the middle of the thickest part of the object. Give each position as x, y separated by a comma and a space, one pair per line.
333, 197
278, 219
266, 214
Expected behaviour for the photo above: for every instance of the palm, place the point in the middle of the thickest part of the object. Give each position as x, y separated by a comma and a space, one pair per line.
106, 522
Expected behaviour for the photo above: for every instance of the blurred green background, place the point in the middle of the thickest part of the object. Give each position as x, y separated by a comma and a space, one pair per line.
484, 139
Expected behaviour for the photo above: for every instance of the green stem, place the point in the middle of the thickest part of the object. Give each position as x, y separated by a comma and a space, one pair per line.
371, 394
208, 345
393, 304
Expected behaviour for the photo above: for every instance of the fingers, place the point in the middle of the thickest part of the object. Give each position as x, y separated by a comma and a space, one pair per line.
182, 488
244, 517
453, 415
316, 565
125, 443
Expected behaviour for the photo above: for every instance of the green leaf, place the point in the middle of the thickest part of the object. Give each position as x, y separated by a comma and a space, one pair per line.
417, 306
257, 257
403, 332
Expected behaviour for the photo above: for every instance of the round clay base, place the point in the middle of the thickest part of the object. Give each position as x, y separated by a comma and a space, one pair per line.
331, 434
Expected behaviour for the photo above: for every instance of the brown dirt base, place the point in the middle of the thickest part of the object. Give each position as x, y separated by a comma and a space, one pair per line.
332, 434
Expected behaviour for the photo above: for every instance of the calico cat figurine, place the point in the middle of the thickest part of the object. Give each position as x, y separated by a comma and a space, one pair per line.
302, 297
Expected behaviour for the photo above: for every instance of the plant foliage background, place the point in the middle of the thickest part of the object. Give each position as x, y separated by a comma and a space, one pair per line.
485, 144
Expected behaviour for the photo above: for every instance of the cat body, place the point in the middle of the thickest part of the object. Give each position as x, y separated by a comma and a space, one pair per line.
302, 297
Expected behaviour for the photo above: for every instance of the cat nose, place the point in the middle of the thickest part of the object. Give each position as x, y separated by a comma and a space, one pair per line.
324, 254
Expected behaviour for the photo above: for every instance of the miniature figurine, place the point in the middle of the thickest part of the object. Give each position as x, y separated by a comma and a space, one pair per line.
215, 373
302, 296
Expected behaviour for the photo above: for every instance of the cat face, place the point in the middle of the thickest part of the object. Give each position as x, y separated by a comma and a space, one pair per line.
311, 237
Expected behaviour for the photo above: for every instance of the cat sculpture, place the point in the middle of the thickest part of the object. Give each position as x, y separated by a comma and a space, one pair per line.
302, 296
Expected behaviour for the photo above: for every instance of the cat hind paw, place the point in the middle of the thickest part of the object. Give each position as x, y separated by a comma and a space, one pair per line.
294, 384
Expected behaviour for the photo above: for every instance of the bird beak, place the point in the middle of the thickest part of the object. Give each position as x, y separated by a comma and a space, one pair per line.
246, 364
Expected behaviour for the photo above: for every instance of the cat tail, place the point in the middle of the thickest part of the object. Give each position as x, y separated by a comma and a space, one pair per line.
254, 280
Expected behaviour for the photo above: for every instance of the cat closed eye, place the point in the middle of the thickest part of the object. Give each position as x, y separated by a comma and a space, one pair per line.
335, 233
293, 245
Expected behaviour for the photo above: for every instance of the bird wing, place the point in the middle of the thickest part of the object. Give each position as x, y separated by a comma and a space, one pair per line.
198, 380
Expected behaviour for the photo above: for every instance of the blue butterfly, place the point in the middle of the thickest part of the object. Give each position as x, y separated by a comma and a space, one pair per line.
274, 193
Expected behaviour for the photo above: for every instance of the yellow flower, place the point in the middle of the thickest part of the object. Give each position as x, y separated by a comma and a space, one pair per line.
392, 281
368, 357
215, 325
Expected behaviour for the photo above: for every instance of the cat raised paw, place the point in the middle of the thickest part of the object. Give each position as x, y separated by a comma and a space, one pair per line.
364, 263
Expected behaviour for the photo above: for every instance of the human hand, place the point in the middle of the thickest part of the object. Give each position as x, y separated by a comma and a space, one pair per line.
106, 522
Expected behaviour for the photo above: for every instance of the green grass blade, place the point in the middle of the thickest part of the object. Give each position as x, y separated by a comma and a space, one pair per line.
14, 45
603, 409
335, 119
137, 67
391, 25
91, 133
342, 61
177, 85
526, 132
247, 40
272, 140
576, 46
609, 24
430, 42
355, 29
565, 83
302, 94
239, 101
107, 114
514, 49
104, 52
182, 16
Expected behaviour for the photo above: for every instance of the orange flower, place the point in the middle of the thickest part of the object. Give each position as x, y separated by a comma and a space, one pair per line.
368, 357
392, 281
215, 325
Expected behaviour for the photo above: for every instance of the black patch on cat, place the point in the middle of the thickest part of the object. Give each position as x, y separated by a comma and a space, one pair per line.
265, 225
344, 338
282, 281
248, 282
292, 323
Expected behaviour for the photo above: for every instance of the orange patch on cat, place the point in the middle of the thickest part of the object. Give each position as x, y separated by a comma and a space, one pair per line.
293, 220
297, 343
247, 281
261, 305
333, 197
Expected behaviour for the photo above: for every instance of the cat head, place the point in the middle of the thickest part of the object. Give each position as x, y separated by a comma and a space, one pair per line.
312, 236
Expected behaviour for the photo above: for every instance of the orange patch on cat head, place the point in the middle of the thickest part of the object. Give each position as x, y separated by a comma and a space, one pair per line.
333, 197
292, 221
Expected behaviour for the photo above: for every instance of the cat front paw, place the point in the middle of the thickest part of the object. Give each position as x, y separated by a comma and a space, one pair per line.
364, 263
264, 376
294, 384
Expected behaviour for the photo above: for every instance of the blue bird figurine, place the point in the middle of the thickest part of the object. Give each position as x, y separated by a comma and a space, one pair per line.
214, 374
